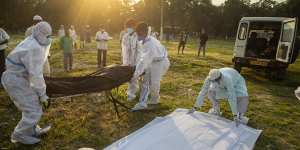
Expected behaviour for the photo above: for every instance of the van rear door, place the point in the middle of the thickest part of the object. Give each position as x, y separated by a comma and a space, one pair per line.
241, 39
287, 39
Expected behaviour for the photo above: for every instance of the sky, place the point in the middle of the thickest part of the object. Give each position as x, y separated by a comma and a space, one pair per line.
219, 2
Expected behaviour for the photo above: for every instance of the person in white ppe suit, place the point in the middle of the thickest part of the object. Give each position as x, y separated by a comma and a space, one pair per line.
130, 54
122, 33
225, 83
36, 19
154, 63
24, 82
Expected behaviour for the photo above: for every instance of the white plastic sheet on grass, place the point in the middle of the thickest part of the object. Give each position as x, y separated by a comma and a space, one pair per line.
180, 131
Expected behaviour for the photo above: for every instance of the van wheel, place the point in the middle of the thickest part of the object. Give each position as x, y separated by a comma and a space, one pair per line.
237, 67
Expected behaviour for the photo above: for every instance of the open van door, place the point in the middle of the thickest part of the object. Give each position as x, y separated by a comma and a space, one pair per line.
241, 39
287, 40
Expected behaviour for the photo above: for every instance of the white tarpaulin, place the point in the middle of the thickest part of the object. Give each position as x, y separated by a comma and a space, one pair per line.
181, 131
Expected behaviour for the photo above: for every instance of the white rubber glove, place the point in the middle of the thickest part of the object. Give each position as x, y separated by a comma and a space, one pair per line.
192, 110
44, 101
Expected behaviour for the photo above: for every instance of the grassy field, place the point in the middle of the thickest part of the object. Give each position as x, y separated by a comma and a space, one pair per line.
90, 121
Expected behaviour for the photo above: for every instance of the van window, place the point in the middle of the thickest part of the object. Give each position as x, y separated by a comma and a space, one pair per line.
243, 31
288, 31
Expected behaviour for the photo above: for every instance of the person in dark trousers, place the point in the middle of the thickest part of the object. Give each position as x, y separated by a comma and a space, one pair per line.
4, 37
88, 34
182, 42
66, 43
202, 44
102, 38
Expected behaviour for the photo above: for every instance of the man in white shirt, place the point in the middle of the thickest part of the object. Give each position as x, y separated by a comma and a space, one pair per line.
102, 38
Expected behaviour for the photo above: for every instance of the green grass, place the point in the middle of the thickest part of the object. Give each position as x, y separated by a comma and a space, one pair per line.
90, 121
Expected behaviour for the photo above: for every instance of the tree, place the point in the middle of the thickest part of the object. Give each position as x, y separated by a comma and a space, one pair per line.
233, 11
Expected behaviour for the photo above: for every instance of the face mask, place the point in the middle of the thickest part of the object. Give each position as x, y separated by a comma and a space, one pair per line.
43, 41
129, 30
47, 42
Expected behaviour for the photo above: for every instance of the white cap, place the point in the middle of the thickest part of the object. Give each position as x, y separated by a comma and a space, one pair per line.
37, 18
214, 74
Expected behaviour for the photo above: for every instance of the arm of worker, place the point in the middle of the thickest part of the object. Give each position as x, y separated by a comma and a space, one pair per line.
232, 99
202, 93
125, 48
145, 60
107, 37
201, 96
34, 62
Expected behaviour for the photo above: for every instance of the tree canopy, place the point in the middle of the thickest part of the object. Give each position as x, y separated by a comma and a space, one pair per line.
189, 15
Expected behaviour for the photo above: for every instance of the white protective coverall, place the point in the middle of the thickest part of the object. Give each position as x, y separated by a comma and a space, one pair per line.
47, 68
122, 33
154, 63
131, 50
24, 82
29, 30
231, 86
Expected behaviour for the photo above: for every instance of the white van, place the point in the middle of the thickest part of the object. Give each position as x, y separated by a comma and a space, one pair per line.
266, 42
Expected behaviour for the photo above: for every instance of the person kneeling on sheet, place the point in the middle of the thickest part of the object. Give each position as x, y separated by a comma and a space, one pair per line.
24, 82
154, 63
221, 84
